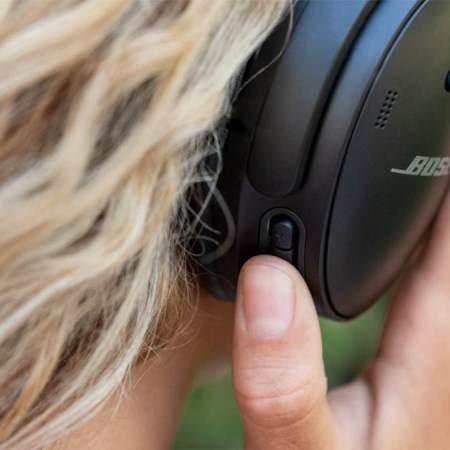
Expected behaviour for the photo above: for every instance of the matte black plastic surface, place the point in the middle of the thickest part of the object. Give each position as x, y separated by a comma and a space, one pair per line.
299, 90
369, 51
283, 234
357, 220
268, 243
379, 214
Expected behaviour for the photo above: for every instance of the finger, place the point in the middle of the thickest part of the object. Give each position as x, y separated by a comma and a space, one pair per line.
420, 311
278, 372
437, 257
413, 363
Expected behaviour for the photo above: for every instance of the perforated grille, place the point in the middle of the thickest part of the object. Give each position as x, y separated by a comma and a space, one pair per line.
386, 109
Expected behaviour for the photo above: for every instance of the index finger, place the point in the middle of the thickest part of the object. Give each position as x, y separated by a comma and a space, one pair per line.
420, 310
415, 336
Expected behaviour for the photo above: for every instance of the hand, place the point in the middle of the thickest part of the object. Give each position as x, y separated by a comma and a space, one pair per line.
401, 401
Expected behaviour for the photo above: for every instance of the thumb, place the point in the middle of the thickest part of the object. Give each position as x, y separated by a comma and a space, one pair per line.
278, 372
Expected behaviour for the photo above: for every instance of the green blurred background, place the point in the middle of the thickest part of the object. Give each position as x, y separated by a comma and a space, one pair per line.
211, 419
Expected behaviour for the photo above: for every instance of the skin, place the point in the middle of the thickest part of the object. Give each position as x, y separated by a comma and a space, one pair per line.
401, 401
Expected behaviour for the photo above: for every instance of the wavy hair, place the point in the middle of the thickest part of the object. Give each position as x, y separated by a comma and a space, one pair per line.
104, 109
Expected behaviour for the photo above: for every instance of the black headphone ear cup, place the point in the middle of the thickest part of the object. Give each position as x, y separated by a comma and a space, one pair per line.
388, 194
336, 157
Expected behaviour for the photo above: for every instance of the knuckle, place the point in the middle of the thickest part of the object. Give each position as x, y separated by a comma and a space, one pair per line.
274, 407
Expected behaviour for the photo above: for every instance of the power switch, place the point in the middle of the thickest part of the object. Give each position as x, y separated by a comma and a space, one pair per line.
282, 239
282, 235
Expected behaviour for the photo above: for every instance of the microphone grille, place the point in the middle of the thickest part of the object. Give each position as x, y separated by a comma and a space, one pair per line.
386, 109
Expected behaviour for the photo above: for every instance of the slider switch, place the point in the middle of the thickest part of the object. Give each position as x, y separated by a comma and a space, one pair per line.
283, 239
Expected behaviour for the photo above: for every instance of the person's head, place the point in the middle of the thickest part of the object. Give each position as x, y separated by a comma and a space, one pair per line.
106, 110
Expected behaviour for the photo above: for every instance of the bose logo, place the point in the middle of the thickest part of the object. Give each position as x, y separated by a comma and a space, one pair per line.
425, 166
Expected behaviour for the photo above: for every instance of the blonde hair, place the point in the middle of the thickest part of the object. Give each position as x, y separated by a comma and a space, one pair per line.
104, 109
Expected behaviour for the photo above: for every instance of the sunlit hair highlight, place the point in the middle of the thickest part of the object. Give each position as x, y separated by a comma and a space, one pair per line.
104, 110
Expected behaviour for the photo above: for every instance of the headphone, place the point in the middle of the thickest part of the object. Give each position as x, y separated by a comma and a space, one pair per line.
337, 153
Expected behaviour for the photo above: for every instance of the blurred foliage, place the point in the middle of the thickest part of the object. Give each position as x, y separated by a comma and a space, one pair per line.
211, 418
